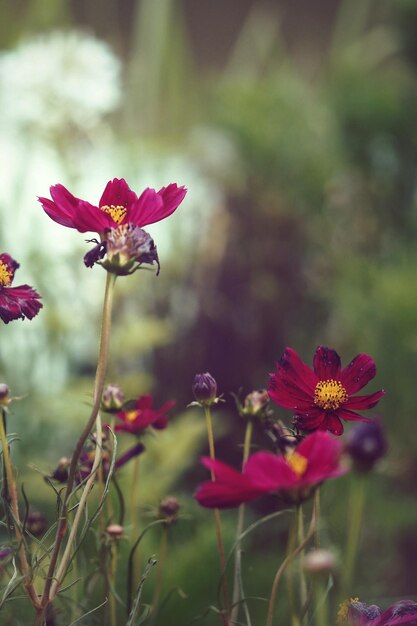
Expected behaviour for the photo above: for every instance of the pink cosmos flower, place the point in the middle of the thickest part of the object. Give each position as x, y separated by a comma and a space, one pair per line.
15, 302
118, 205
293, 476
321, 398
135, 420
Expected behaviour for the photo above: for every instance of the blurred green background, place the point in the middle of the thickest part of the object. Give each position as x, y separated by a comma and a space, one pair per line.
294, 127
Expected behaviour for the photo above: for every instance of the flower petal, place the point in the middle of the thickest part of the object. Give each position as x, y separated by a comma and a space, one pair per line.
311, 419
90, 218
270, 472
62, 207
19, 303
154, 206
351, 416
333, 424
323, 453
326, 363
360, 403
358, 373
230, 488
117, 193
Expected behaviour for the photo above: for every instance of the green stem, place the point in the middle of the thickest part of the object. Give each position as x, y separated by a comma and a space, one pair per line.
321, 605
12, 492
98, 391
160, 570
284, 565
357, 501
300, 538
220, 544
236, 597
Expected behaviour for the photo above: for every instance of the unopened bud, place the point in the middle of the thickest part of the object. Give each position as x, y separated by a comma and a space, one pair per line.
6, 554
4, 395
168, 509
115, 531
255, 403
320, 561
36, 523
61, 472
366, 444
205, 388
112, 399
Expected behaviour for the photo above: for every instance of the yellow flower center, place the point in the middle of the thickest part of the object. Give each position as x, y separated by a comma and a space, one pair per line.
343, 612
117, 213
5, 275
130, 416
297, 463
329, 394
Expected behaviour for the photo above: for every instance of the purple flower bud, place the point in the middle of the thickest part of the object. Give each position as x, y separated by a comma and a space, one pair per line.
366, 444
4, 395
168, 509
204, 388
61, 472
6, 554
36, 523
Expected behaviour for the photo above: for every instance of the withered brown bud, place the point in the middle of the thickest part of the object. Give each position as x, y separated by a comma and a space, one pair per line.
168, 509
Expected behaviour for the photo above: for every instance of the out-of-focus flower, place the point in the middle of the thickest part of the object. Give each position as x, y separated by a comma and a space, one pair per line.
112, 399
355, 613
321, 398
15, 302
168, 509
205, 388
76, 82
141, 415
255, 404
60, 473
293, 477
36, 523
4, 395
115, 531
87, 456
320, 561
118, 205
366, 444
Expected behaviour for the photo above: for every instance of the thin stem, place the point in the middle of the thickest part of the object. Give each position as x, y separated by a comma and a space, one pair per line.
160, 569
219, 536
98, 391
236, 597
112, 576
11, 488
321, 605
300, 538
317, 507
134, 516
357, 501
284, 565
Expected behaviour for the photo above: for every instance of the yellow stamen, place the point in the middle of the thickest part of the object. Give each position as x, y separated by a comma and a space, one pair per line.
330, 394
130, 416
6, 275
343, 612
297, 463
117, 213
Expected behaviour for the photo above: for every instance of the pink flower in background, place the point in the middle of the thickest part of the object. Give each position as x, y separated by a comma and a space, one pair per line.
321, 398
293, 476
355, 613
136, 419
15, 302
118, 205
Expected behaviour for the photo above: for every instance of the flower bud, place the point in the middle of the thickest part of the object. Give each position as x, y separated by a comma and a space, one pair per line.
4, 395
112, 399
115, 531
36, 523
6, 553
61, 472
255, 403
204, 388
320, 561
366, 444
168, 509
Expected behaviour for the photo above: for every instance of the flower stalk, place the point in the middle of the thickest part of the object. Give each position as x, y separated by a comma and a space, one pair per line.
219, 536
357, 502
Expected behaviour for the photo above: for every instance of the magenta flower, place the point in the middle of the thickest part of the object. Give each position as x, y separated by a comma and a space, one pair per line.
357, 613
135, 420
321, 398
118, 205
15, 302
293, 477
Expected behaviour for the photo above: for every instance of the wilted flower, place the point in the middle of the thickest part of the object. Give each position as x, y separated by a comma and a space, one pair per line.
127, 246
355, 613
15, 302
321, 398
168, 509
255, 404
366, 444
205, 388
137, 418
293, 477
60, 473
